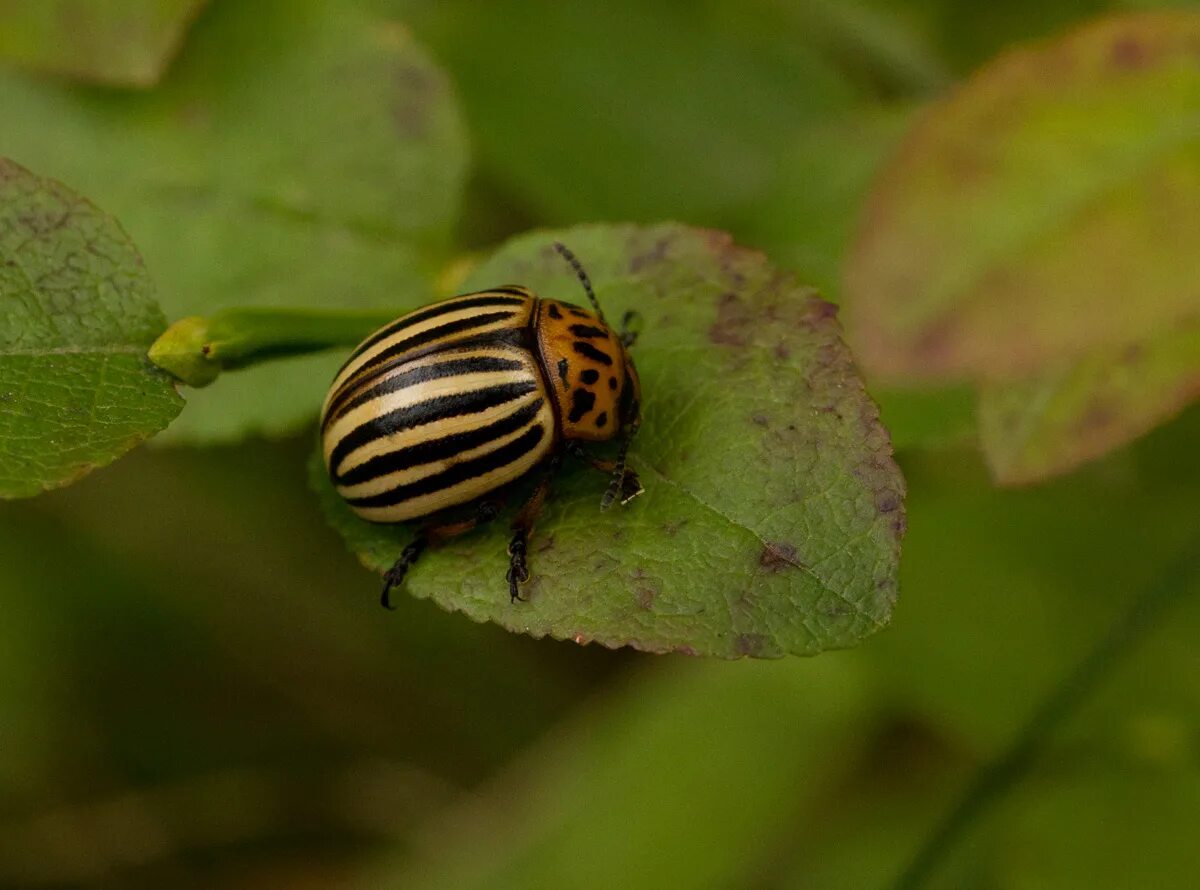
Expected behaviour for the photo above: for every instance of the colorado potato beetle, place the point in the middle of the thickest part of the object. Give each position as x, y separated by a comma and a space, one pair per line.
437, 415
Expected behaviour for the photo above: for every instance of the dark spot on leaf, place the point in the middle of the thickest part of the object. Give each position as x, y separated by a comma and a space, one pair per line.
777, 556
749, 644
645, 596
655, 254
589, 376
545, 543
818, 311
672, 528
782, 351
415, 101
732, 326
1129, 53
759, 418
887, 501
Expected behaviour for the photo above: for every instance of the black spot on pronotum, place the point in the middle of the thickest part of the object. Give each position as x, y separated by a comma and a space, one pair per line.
612, 383
589, 332
582, 402
552, 311
562, 370
589, 351
602, 419
589, 375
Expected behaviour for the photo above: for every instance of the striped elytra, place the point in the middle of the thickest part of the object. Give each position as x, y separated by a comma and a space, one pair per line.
455, 400
445, 406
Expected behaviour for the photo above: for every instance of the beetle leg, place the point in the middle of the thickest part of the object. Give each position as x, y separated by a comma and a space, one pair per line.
394, 576
630, 484
522, 525
631, 327
432, 535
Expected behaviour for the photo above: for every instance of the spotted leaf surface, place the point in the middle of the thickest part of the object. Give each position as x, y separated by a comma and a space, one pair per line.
1039, 233
773, 511
119, 42
297, 154
77, 313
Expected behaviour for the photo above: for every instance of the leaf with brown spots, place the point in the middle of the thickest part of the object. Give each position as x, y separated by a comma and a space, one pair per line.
773, 512
1039, 233
77, 313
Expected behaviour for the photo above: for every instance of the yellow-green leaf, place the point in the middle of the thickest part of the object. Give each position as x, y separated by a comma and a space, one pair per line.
1049, 207
118, 42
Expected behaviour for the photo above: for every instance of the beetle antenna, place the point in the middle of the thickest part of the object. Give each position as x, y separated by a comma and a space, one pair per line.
581, 275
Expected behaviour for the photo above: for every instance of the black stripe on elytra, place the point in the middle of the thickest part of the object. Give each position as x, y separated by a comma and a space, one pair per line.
424, 315
579, 313
429, 411
582, 402
588, 332
589, 375
349, 398
460, 472
602, 418
514, 289
441, 448
436, 333
590, 351
563, 368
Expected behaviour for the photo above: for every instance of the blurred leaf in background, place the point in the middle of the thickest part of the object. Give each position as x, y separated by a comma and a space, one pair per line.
115, 42
297, 154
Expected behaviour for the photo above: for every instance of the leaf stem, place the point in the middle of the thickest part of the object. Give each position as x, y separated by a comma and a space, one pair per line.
993, 780
196, 350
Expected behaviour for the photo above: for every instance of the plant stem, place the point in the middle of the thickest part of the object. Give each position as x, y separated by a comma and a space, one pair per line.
196, 350
993, 780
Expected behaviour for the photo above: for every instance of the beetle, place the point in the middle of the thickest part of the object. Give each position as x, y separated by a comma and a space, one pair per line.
435, 417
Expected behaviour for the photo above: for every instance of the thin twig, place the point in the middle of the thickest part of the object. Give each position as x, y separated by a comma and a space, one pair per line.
993, 780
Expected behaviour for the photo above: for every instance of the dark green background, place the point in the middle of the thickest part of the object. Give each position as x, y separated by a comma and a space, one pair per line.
197, 687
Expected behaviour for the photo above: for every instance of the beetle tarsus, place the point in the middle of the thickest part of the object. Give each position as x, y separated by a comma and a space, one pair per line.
518, 568
631, 327
394, 576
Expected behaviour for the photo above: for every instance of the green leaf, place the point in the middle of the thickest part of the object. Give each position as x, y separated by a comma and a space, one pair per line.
298, 154
119, 42
632, 110
773, 511
1040, 231
1051, 423
806, 217
1048, 208
602, 795
77, 314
